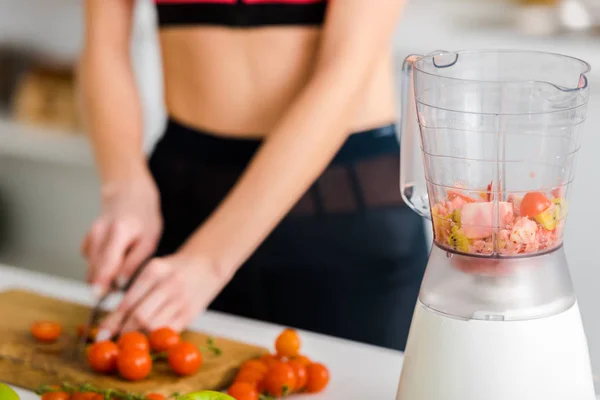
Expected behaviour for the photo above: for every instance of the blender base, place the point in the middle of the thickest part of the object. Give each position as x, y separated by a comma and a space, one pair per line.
452, 359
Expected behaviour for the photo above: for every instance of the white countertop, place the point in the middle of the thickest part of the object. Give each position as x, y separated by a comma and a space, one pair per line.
358, 371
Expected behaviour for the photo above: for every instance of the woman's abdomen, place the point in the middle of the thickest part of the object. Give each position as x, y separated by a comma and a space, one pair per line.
240, 83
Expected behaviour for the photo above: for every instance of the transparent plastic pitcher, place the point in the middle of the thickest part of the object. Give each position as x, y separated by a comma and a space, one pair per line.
499, 137
488, 151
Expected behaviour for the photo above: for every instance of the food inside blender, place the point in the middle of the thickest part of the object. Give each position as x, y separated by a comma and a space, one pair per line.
519, 223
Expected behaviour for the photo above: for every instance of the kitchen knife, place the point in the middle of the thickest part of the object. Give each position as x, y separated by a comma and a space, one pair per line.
97, 309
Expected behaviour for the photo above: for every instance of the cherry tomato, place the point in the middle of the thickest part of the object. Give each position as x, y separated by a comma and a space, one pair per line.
134, 364
452, 194
46, 331
534, 203
269, 360
256, 365
318, 377
301, 374
102, 356
133, 340
155, 396
243, 391
56, 396
280, 380
251, 376
184, 358
288, 343
86, 396
303, 360
92, 332
163, 339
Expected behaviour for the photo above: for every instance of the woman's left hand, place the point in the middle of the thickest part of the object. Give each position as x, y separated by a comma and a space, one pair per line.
171, 291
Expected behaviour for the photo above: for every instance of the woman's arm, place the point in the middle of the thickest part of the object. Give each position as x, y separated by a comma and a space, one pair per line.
127, 231
356, 35
110, 100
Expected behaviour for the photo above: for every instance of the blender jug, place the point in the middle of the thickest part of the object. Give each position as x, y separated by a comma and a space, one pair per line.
488, 152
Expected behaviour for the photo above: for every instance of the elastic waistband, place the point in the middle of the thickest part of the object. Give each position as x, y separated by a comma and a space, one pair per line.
208, 147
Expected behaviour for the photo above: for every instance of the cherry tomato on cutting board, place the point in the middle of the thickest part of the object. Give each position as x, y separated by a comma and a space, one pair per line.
243, 391
102, 356
155, 396
56, 396
134, 364
86, 396
534, 203
163, 339
184, 358
134, 340
46, 331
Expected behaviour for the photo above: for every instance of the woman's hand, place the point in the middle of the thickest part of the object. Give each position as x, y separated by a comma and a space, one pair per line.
171, 291
127, 232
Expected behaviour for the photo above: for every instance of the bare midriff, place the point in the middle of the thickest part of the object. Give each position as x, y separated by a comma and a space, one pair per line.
240, 82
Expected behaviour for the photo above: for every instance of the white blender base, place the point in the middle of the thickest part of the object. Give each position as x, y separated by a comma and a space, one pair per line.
540, 359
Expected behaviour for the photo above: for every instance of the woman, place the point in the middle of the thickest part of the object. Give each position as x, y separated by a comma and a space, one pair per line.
273, 193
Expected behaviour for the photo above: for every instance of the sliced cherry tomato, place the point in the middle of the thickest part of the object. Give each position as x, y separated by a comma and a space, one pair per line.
288, 343
163, 339
452, 194
155, 396
102, 356
184, 358
243, 391
534, 203
301, 374
318, 378
134, 340
558, 192
280, 380
86, 396
46, 331
134, 364
56, 396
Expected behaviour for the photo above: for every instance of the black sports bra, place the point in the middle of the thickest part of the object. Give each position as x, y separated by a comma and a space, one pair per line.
240, 13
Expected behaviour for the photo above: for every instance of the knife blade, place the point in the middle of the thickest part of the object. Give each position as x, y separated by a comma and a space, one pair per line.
97, 309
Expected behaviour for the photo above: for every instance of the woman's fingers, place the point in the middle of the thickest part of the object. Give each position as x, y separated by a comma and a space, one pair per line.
142, 316
152, 276
165, 316
118, 239
180, 321
93, 244
139, 253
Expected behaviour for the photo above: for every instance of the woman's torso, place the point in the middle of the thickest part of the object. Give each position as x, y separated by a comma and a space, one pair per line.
239, 81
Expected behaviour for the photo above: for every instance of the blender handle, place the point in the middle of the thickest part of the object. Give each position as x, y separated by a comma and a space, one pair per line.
413, 185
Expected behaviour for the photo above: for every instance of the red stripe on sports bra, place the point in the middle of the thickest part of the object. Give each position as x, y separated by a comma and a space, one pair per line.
282, 1
235, 1
195, 1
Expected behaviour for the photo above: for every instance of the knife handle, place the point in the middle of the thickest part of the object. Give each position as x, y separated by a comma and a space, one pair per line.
135, 275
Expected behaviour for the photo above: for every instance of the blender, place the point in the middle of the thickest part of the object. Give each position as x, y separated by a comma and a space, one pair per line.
488, 151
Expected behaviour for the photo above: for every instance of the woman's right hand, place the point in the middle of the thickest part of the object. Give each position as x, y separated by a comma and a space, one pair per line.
125, 234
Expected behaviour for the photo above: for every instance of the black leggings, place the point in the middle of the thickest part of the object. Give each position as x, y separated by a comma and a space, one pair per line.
346, 261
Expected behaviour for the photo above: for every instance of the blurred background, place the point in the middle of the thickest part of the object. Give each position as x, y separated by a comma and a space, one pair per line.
49, 191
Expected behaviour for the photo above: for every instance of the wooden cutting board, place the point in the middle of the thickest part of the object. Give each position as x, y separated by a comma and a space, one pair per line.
28, 364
